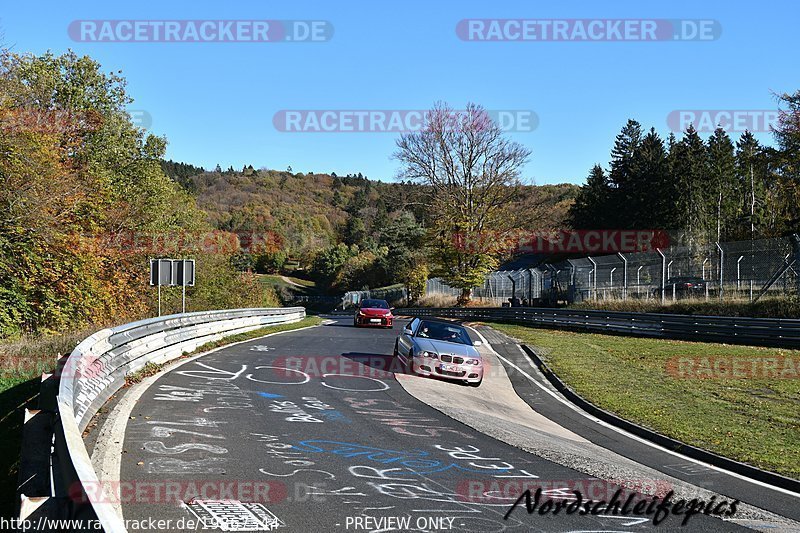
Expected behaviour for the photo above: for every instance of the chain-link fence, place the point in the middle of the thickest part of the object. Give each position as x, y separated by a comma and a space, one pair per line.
500, 286
734, 270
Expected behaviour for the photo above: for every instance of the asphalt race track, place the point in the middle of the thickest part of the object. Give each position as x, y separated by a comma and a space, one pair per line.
310, 433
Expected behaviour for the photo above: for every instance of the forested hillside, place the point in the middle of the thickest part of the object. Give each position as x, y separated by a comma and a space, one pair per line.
346, 231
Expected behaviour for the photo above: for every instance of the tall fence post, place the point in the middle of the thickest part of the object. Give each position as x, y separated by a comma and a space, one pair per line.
530, 286
739, 273
624, 275
573, 288
594, 282
663, 275
721, 269
796, 251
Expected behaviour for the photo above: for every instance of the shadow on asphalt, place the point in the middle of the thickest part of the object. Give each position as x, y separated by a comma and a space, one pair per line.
389, 364
381, 362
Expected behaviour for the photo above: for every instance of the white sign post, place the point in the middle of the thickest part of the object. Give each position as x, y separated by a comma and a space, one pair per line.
172, 272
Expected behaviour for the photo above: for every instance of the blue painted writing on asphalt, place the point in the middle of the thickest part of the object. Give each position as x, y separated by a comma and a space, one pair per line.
417, 461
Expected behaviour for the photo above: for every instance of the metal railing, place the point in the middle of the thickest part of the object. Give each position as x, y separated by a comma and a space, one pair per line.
97, 369
732, 330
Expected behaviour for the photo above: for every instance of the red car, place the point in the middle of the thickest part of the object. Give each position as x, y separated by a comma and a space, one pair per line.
373, 313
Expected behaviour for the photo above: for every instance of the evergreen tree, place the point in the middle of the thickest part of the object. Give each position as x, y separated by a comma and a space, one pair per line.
787, 160
690, 168
722, 174
620, 178
591, 207
751, 186
651, 189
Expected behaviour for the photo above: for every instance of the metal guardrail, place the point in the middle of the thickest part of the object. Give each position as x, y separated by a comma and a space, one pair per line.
784, 333
96, 369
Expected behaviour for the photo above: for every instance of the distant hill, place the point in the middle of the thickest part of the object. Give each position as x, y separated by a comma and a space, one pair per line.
311, 211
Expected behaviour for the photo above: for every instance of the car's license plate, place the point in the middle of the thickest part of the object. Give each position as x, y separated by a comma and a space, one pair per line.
449, 368
374, 319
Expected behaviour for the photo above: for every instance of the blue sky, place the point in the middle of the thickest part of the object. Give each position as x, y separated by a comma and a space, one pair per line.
215, 101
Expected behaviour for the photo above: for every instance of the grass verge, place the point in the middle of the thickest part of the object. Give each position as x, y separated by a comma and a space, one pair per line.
755, 420
306, 322
788, 307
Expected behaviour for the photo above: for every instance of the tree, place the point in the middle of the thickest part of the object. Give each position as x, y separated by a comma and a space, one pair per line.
624, 187
652, 205
354, 231
787, 160
592, 208
690, 168
270, 262
330, 260
414, 275
722, 174
472, 173
404, 239
749, 172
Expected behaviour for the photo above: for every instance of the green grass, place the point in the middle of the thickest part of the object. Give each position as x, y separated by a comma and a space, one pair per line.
285, 290
756, 421
767, 307
149, 369
307, 321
